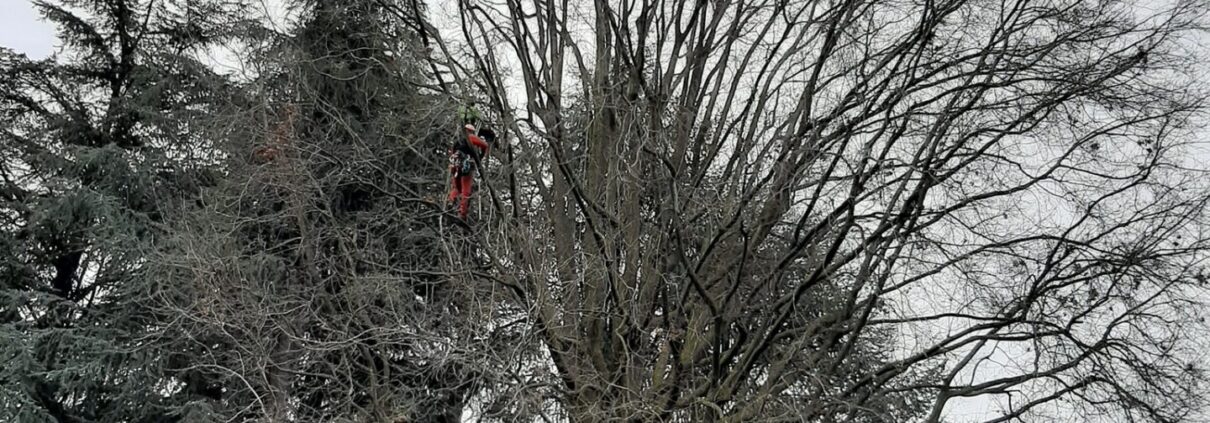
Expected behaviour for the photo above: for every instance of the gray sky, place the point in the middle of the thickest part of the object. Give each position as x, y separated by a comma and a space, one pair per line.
22, 29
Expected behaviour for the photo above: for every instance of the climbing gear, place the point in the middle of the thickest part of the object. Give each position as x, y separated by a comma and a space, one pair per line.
463, 156
461, 163
467, 165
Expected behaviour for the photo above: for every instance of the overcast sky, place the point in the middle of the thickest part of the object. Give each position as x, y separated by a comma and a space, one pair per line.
23, 30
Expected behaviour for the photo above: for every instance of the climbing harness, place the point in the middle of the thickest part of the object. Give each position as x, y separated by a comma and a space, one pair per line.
462, 163
463, 156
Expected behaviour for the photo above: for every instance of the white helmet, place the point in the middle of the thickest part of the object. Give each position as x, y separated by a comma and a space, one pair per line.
470, 127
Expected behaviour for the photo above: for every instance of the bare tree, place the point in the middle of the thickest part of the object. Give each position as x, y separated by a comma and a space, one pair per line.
849, 209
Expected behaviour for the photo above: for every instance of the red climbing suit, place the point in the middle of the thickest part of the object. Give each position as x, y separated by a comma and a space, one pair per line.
462, 178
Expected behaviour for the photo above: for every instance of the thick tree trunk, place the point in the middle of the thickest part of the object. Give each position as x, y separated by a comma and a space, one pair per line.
66, 267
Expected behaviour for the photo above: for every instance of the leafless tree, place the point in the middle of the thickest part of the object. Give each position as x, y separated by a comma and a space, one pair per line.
848, 209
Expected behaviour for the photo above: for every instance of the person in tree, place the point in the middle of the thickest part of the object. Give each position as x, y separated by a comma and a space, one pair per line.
487, 135
465, 156
469, 115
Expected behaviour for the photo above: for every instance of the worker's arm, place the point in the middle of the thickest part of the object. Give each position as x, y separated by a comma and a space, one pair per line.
478, 143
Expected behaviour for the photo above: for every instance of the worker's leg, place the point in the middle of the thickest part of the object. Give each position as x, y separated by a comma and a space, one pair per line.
453, 188
463, 208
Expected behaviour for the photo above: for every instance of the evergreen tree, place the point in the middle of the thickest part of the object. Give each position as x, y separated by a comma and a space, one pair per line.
321, 280
94, 142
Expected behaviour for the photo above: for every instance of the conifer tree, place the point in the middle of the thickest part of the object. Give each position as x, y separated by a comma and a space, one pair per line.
94, 141
321, 280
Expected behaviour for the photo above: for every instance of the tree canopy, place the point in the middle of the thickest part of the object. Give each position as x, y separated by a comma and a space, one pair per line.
758, 210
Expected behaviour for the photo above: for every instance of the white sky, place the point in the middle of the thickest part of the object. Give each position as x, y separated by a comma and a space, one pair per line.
21, 29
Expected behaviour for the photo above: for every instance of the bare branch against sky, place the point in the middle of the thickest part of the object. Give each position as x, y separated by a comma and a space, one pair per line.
716, 211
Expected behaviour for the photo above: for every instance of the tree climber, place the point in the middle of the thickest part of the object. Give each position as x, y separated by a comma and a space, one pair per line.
469, 115
465, 157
